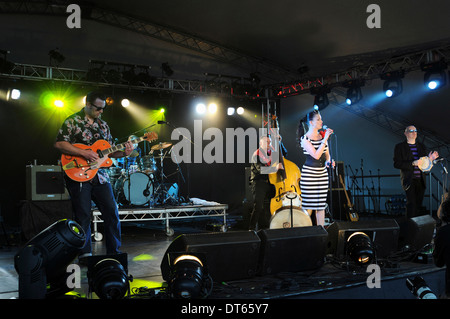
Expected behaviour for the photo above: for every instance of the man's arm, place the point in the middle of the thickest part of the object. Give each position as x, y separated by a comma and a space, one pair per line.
67, 148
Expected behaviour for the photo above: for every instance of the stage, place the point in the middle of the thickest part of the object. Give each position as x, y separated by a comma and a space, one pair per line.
146, 243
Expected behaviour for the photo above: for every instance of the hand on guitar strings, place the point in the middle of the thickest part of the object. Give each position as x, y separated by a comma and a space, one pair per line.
90, 156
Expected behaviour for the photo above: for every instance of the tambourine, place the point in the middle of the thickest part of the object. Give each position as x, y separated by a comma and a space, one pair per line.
426, 164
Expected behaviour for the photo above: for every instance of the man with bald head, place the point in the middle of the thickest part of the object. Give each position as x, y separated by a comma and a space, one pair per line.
407, 158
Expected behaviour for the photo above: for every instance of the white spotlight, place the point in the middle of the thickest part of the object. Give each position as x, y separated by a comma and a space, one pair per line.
230, 111
212, 108
240, 110
15, 94
125, 103
200, 108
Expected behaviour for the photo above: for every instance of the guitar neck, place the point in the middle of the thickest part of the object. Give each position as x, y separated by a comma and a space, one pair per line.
121, 146
349, 203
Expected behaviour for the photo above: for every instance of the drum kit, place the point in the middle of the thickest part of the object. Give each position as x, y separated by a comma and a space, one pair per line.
138, 181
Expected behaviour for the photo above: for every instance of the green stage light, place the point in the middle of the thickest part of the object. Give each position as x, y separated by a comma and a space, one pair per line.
58, 103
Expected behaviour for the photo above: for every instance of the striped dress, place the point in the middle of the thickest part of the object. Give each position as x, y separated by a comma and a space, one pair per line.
314, 179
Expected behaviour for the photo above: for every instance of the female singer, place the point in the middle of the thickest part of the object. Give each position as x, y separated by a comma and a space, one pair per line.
314, 180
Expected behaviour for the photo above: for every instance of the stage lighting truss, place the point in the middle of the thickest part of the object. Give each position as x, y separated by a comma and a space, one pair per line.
360, 248
189, 277
354, 92
393, 85
435, 76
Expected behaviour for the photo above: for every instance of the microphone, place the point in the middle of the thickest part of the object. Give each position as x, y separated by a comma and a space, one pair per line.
323, 130
163, 122
438, 160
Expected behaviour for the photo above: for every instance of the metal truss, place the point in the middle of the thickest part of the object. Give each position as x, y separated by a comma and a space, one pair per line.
165, 214
407, 60
268, 70
390, 122
283, 81
20, 71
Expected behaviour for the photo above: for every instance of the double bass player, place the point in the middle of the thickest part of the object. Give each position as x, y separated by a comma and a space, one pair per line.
262, 189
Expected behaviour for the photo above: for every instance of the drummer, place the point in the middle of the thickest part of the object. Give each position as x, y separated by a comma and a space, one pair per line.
131, 161
408, 158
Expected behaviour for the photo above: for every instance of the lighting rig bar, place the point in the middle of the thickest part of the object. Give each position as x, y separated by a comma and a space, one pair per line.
390, 122
21, 71
50, 73
268, 70
407, 62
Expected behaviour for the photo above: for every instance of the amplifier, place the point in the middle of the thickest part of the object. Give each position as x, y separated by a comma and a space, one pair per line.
45, 182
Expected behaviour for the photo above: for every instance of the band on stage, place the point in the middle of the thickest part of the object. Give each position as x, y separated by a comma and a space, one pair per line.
284, 195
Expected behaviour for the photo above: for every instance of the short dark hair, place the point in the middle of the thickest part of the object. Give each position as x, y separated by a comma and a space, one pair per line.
94, 95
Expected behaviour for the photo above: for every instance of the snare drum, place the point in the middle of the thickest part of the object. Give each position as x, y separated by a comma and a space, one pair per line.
148, 164
136, 189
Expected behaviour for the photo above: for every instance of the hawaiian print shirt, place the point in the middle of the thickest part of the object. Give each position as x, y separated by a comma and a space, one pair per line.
77, 129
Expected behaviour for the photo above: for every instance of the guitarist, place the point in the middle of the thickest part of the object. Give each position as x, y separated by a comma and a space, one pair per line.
86, 127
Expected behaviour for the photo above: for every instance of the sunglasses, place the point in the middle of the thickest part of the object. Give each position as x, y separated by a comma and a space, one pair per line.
98, 108
411, 131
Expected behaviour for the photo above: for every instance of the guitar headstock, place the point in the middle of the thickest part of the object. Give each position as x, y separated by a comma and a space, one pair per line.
150, 136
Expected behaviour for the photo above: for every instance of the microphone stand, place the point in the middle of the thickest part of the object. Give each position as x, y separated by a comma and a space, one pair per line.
174, 156
355, 186
379, 191
372, 193
362, 181
331, 179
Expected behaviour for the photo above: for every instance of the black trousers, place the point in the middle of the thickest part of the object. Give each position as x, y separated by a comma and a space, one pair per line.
414, 198
262, 193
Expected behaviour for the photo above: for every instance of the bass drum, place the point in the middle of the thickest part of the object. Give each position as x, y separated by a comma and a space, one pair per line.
135, 189
288, 217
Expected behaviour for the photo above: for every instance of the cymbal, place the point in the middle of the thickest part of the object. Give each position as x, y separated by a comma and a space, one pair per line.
161, 146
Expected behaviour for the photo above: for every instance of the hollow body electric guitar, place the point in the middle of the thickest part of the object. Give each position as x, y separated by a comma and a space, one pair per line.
79, 169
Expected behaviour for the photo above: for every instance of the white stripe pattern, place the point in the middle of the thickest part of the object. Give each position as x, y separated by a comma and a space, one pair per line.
314, 183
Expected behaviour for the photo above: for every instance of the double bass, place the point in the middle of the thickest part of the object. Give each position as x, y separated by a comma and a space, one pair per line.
285, 206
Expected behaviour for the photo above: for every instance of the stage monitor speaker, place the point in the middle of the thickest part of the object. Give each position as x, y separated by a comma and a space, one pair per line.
384, 234
229, 256
292, 249
419, 231
45, 182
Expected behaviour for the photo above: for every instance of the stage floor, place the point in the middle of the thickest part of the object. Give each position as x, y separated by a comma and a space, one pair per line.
146, 243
